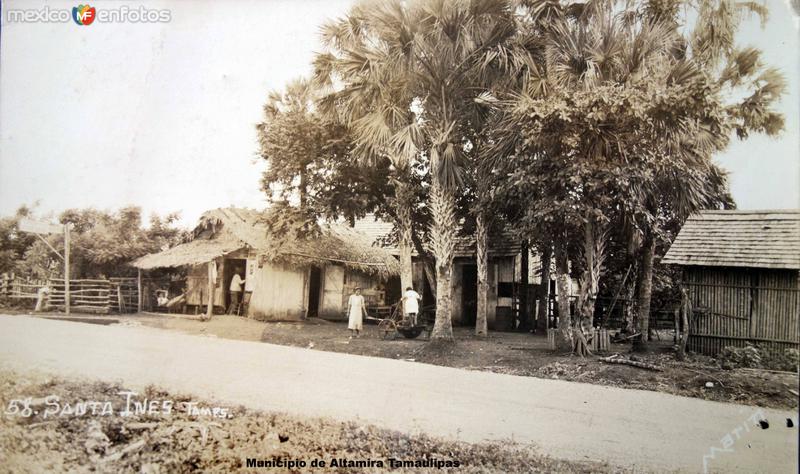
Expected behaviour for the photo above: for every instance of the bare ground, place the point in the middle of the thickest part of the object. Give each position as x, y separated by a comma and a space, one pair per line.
516, 354
49, 439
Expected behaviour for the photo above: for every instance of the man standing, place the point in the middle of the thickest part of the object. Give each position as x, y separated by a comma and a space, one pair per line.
356, 309
411, 305
236, 291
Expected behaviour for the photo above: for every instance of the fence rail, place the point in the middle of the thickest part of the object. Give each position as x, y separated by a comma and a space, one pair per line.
727, 311
114, 295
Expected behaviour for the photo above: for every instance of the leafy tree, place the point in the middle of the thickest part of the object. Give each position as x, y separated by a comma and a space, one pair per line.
102, 244
13, 243
611, 109
747, 90
309, 158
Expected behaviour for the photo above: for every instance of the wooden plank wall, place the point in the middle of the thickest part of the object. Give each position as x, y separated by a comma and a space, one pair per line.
279, 293
735, 306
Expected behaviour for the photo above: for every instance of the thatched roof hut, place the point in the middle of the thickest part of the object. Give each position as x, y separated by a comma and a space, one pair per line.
287, 277
222, 231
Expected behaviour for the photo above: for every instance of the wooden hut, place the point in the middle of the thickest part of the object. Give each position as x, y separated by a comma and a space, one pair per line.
283, 280
741, 270
504, 274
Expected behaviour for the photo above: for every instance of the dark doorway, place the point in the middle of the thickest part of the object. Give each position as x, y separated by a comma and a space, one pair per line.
231, 266
393, 291
469, 294
314, 287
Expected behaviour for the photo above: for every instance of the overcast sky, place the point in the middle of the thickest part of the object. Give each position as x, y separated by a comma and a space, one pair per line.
162, 115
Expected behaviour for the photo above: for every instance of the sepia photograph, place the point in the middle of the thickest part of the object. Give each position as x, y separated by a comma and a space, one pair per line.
412, 236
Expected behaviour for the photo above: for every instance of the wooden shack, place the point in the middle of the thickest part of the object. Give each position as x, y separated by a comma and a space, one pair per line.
741, 272
504, 272
283, 280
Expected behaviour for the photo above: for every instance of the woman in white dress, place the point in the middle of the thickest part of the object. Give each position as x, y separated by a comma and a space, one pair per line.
356, 309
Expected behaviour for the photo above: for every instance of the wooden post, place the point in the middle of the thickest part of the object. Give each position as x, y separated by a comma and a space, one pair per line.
210, 309
66, 269
139, 292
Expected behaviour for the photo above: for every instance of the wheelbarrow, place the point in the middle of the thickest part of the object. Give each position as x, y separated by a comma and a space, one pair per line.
398, 323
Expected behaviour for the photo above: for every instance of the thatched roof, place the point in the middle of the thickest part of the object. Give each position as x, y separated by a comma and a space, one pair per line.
222, 231
754, 239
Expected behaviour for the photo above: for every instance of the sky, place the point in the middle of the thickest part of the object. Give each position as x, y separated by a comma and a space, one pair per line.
162, 115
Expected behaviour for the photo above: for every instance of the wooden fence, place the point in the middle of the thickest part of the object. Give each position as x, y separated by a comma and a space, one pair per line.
15, 288
599, 339
115, 295
761, 308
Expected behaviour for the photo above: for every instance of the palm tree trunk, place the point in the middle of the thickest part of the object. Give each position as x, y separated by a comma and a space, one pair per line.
481, 254
544, 290
403, 212
443, 233
644, 290
564, 338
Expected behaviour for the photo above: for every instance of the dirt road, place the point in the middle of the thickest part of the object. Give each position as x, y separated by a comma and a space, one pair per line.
645, 430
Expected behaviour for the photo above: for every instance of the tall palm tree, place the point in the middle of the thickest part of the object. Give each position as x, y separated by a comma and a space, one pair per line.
748, 90
595, 121
405, 76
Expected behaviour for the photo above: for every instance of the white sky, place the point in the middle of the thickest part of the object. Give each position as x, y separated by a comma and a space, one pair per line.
162, 115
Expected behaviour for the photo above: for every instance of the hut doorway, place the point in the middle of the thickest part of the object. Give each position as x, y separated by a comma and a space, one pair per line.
469, 294
231, 266
314, 290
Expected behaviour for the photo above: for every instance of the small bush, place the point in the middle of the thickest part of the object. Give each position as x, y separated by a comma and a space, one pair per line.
788, 360
759, 358
747, 356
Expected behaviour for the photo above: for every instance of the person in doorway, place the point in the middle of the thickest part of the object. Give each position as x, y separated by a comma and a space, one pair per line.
356, 310
237, 283
411, 301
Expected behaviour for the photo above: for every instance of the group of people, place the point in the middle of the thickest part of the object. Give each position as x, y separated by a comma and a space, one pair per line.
357, 309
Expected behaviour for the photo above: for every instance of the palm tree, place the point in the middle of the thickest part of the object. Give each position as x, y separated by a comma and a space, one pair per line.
594, 120
408, 73
748, 90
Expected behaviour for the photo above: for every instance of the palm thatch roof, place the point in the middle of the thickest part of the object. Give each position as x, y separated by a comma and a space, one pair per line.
222, 231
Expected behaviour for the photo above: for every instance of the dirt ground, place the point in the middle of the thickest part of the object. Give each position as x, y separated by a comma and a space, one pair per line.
43, 430
512, 353
502, 352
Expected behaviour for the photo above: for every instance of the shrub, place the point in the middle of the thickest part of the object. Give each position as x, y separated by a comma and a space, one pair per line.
788, 360
747, 356
759, 358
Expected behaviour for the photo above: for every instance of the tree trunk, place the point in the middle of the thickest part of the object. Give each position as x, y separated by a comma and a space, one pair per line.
564, 337
303, 188
524, 311
481, 254
593, 254
544, 291
443, 233
686, 313
403, 211
630, 306
593, 251
644, 289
